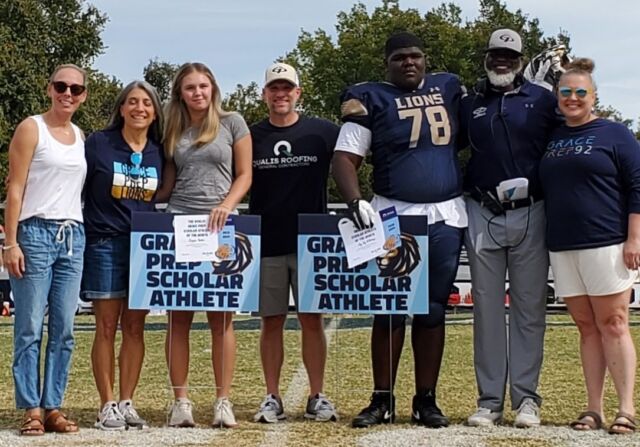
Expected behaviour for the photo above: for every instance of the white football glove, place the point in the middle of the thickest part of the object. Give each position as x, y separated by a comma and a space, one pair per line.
361, 213
546, 67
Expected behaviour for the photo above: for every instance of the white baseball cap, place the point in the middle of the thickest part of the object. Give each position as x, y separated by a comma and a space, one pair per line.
505, 39
281, 72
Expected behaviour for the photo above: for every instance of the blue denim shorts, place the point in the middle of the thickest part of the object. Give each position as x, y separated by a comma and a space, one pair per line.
106, 268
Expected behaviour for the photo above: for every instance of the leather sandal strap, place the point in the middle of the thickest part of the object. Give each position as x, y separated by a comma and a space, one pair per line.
631, 424
594, 423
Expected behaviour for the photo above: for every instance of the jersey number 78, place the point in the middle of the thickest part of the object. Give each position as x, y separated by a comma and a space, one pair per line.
438, 120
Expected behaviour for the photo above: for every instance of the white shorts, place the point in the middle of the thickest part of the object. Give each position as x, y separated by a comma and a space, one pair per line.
592, 271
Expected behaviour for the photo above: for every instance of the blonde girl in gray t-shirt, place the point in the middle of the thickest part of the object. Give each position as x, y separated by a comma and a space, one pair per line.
209, 162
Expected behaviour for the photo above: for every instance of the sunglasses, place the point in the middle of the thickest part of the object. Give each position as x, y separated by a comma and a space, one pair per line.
75, 89
580, 92
136, 160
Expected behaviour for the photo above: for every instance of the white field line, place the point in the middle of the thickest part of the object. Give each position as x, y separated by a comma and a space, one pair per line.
278, 433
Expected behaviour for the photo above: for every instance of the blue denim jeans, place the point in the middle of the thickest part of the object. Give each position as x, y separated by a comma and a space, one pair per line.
106, 268
53, 253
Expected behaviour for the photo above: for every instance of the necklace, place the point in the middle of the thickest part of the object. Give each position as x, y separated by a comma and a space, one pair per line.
66, 131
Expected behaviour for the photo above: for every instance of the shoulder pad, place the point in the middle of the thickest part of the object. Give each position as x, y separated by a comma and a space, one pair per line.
353, 107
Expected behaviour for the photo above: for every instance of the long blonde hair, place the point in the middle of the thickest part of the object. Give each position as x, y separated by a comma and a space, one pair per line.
177, 115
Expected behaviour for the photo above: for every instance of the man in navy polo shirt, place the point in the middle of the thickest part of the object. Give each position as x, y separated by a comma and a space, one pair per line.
507, 122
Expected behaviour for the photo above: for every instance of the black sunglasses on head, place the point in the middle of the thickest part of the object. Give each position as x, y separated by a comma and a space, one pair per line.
75, 89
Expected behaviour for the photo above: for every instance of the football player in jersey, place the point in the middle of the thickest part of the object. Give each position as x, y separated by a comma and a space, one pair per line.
409, 124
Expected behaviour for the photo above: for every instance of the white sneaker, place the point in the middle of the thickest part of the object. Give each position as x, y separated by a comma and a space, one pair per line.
110, 418
484, 417
270, 410
320, 409
223, 414
131, 416
527, 414
181, 413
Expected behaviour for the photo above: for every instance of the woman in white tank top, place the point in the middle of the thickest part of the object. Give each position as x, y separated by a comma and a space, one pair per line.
44, 248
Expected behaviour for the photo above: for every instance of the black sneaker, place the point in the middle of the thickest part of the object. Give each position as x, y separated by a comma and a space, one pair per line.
381, 410
426, 412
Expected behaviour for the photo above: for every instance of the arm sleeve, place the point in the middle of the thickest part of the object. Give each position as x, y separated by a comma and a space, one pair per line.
463, 120
628, 152
238, 126
90, 153
354, 138
331, 137
89, 156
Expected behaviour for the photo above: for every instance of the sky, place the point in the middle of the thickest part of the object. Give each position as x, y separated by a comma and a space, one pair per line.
239, 39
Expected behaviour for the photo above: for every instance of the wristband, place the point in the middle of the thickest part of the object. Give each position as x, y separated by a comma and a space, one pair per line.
9, 247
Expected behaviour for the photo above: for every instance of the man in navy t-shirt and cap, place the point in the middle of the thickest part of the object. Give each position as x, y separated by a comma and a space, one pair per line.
291, 157
507, 122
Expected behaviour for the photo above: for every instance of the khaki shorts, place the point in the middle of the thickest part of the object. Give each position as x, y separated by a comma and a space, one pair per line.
278, 276
592, 271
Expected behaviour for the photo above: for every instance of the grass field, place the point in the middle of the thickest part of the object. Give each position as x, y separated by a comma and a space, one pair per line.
348, 384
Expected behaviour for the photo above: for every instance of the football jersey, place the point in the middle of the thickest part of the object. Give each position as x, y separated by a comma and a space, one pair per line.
413, 136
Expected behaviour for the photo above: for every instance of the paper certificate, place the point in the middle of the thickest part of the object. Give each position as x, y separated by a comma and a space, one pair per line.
362, 245
194, 241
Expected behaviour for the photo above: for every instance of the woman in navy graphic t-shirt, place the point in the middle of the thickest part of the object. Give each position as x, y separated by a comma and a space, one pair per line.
590, 173
124, 165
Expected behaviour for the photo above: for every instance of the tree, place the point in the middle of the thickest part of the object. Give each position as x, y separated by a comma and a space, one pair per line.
612, 114
247, 101
102, 93
37, 36
160, 74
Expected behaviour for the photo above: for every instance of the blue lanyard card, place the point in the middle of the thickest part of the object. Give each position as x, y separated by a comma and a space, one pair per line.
391, 227
227, 242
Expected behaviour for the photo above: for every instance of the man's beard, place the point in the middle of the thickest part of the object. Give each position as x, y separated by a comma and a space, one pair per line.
501, 80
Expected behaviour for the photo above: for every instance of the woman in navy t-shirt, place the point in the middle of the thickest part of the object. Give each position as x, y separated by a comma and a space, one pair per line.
590, 174
124, 163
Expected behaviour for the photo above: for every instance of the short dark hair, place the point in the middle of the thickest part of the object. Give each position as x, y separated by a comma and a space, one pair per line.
402, 39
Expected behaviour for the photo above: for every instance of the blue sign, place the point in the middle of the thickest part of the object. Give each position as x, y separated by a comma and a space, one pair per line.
397, 283
156, 281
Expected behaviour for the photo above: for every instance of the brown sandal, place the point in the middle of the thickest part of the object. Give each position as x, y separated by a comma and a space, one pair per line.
587, 420
620, 426
32, 426
57, 422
